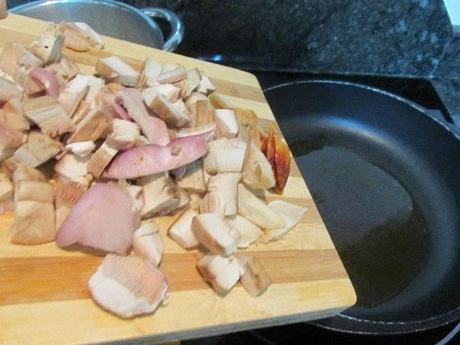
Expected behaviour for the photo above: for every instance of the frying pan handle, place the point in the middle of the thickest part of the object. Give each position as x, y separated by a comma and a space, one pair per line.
176, 24
447, 115
451, 121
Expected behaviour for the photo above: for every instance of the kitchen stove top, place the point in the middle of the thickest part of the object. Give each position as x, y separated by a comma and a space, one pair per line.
417, 90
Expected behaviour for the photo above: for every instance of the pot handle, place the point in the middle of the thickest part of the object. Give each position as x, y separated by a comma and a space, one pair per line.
176, 24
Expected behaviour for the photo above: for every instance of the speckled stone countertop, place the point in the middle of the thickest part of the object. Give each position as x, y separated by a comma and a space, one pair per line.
403, 38
345, 36
393, 37
446, 78
410, 38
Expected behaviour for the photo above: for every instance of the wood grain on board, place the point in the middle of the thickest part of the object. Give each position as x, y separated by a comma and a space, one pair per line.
43, 293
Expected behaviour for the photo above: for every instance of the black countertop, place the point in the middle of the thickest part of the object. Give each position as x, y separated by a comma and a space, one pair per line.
392, 37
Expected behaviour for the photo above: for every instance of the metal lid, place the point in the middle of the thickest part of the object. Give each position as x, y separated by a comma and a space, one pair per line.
107, 17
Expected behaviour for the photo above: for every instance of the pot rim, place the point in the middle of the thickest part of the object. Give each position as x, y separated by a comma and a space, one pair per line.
150, 21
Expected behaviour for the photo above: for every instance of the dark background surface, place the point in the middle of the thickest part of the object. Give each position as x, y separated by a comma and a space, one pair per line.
345, 36
304, 333
391, 37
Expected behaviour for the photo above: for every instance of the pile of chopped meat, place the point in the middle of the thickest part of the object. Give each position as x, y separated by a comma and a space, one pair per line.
92, 160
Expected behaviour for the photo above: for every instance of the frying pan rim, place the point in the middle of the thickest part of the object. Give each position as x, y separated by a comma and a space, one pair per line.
391, 327
416, 106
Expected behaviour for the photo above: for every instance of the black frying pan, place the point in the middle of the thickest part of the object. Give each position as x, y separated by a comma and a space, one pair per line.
385, 175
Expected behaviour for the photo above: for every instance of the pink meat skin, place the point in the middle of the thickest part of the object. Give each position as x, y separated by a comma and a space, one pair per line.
151, 159
121, 112
103, 218
47, 79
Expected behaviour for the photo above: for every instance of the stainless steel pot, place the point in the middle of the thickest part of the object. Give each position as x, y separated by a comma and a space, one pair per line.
110, 18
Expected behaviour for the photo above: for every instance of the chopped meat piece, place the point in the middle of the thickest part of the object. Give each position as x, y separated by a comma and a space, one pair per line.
147, 243
13, 115
291, 215
172, 76
93, 126
8, 90
167, 112
65, 70
215, 234
190, 103
205, 112
49, 115
101, 159
81, 148
25, 172
254, 278
158, 193
257, 170
10, 140
249, 232
113, 68
206, 86
189, 84
131, 100
225, 155
136, 194
255, 210
189, 131
128, 286
48, 48
74, 169
181, 230
226, 123
169, 91
92, 36
193, 180
150, 72
74, 38
15, 56
221, 272
124, 134
108, 227
38, 149
34, 221
223, 188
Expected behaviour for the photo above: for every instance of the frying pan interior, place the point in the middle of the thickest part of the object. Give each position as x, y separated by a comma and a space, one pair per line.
385, 176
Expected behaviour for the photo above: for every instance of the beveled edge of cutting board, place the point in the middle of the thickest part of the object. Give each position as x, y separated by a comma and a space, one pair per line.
225, 329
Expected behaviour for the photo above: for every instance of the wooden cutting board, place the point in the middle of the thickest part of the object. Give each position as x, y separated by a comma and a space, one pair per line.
43, 289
